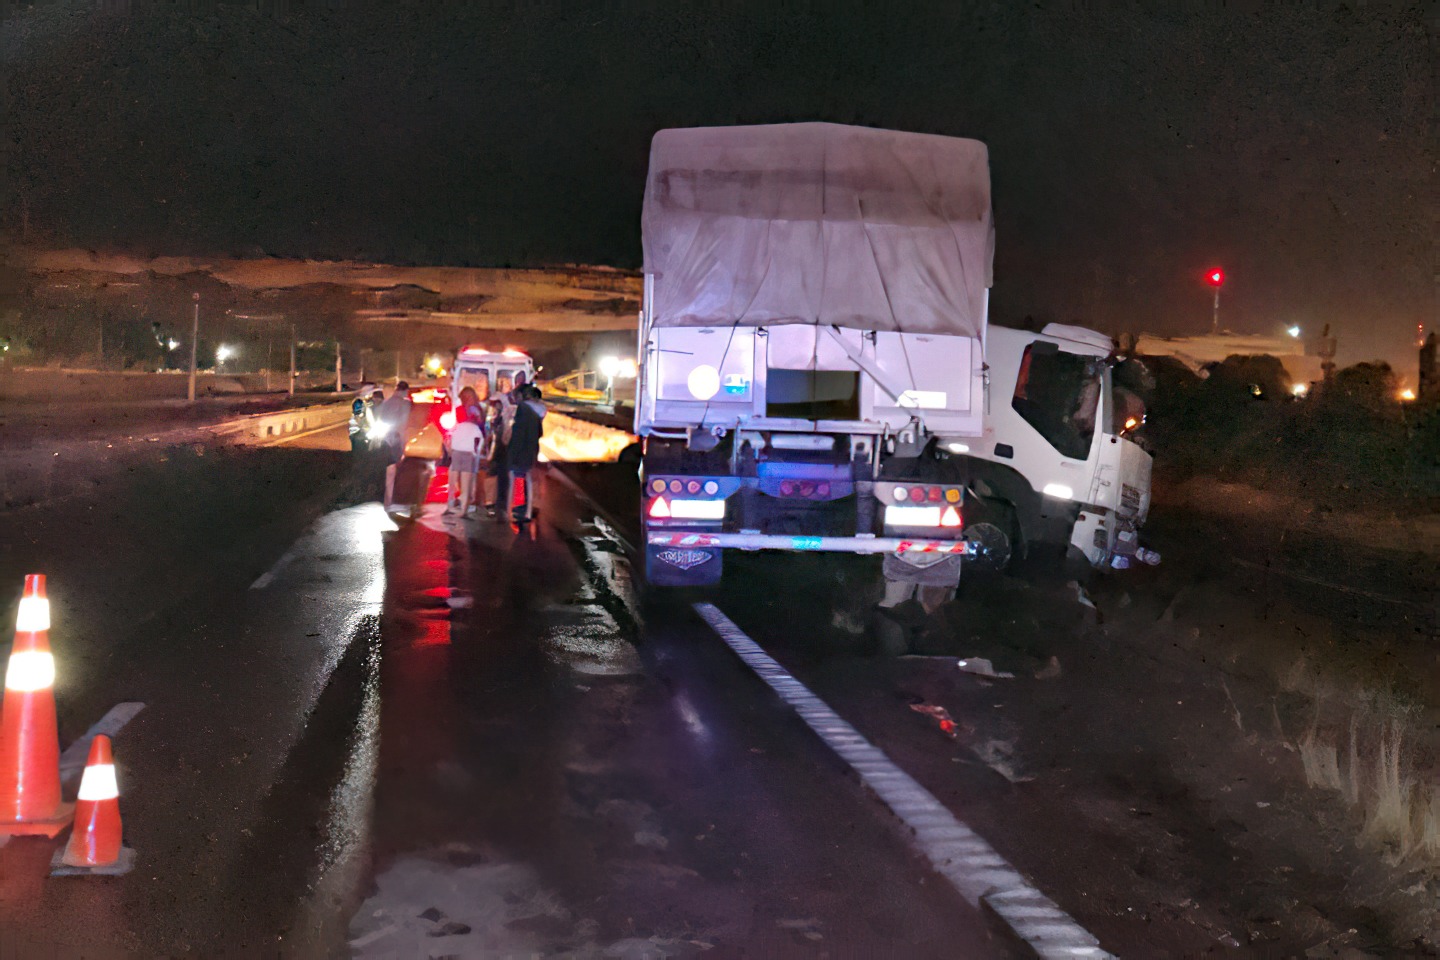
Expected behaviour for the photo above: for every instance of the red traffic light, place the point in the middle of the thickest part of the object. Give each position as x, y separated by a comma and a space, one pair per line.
1215, 277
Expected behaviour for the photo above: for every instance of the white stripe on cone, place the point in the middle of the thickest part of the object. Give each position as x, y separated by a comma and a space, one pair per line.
30, 670
34, 615
99, 783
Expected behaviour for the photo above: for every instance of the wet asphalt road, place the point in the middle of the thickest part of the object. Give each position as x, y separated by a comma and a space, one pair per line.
435, 737
444, 738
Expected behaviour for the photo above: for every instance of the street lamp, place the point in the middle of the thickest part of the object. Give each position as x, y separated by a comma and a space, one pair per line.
610, 368
1216, 279
1294, 332
224, 352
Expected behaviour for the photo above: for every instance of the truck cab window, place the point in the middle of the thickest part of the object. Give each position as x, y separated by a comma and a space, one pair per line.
1058, 394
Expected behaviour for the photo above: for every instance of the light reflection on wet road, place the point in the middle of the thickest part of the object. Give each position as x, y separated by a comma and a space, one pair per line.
556, 778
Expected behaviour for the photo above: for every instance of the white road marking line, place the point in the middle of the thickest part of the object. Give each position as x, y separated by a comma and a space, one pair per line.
268, 577
959, 854
72, 761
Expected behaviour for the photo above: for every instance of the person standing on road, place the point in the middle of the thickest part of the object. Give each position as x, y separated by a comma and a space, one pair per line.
500, 454
524, 448
362, 421
465, 442
394, 416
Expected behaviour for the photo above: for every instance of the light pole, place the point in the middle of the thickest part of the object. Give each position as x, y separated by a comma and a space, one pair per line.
194, 339
339, 386
609, 367
292, 359
1216, 279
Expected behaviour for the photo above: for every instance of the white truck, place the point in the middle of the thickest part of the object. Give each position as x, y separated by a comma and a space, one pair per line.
817, 371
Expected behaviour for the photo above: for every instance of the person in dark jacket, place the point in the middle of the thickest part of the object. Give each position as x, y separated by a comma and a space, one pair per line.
523, 449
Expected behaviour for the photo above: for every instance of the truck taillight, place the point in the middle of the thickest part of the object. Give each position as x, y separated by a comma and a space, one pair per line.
926, 515
929, 494
686, 509
808, 489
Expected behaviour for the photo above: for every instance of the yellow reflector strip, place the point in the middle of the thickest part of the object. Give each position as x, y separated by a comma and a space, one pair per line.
98, 783
30, 670
34, 615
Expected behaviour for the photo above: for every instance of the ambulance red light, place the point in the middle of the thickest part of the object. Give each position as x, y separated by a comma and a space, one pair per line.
659, 509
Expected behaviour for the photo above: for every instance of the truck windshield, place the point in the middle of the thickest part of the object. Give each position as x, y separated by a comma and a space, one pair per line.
1058, 394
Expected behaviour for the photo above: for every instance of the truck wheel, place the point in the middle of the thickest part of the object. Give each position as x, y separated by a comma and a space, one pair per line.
993, 530
682, 566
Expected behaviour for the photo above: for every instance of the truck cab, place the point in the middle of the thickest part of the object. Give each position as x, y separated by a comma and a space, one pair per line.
1059, 457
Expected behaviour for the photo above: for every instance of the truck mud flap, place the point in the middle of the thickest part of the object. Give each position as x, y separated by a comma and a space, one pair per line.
667, 566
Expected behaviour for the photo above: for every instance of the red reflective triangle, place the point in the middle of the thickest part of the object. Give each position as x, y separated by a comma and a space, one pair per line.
950, 517
659, 509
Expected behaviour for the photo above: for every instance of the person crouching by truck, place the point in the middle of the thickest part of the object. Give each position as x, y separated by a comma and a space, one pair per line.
524, 449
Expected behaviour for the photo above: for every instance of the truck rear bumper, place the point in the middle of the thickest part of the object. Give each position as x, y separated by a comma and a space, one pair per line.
766, 541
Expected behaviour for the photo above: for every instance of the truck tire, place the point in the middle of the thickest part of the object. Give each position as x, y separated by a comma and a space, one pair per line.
995, 530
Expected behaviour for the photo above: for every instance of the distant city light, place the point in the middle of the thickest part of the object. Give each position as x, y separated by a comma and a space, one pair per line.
1407, 395
628, 370
171, 344
1294, 332
609, 366
1300, 389
224, 352
434, 364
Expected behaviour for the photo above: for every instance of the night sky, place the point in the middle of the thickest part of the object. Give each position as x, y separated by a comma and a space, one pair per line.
1130, 151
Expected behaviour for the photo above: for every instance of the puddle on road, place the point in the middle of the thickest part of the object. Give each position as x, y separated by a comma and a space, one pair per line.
587, 639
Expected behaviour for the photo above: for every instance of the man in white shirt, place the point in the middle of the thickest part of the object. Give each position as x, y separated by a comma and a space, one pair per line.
465, 442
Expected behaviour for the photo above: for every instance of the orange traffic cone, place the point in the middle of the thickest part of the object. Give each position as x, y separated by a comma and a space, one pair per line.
95, 845
29, 741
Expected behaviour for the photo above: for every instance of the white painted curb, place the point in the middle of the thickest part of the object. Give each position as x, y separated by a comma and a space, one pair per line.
958, 853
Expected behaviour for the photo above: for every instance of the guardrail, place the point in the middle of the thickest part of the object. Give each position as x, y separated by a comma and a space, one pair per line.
284, 424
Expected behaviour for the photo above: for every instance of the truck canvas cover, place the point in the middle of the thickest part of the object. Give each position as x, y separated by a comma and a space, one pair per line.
818, 223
